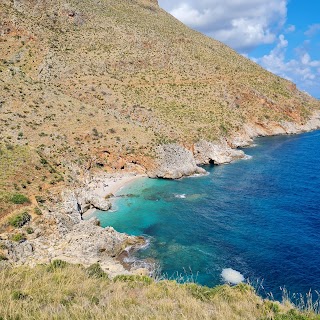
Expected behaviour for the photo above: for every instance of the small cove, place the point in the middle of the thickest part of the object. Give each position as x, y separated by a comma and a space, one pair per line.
259, 216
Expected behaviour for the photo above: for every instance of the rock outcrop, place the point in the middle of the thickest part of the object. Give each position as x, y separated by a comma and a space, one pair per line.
83, 242
174, 162
249, 131
215, 153
91, 195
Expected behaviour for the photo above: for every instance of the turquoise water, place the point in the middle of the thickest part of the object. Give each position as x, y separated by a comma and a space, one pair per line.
259, 216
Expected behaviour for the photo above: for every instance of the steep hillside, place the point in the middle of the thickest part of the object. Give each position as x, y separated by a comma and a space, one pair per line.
92, 87
101, 84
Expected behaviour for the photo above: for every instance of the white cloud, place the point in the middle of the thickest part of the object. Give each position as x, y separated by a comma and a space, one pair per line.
303, 70
290, 28
247, 24
242, 25
313, 30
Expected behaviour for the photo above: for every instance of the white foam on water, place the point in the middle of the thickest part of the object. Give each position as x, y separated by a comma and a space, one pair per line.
232, 276
247, 157
180, 196
195, 175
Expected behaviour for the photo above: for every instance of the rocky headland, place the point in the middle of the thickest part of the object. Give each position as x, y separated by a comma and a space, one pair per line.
61, 233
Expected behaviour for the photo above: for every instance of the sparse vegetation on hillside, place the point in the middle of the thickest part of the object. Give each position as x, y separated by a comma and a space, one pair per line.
101, 84
63, 291
88, 85
22, 174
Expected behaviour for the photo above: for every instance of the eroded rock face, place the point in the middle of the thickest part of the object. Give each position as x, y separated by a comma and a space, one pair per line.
84, 242
80, 200
217, 153
174, 162
253, 130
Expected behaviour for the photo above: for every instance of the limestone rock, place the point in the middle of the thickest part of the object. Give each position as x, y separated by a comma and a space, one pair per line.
217, 153
98, 202
81, 242
174, 162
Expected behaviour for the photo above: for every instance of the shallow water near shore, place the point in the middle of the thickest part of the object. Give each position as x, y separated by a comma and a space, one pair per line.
259, 216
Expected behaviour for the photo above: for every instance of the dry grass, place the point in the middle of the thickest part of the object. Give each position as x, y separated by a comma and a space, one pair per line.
23, 172
64, 291
105, 82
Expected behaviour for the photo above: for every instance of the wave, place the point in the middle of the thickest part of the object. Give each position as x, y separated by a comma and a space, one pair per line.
232, 276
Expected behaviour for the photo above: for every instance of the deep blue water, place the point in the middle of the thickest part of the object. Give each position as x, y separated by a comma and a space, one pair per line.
259, 216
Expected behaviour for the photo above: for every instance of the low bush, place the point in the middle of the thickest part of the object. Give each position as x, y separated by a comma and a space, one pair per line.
95, 271
37, 211
20, 219
18, 198
18, 295
18, 237
56, 264
29, 230
133, 278
3, 258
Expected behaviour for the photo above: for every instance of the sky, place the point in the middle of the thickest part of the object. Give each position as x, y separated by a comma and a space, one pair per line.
283, 36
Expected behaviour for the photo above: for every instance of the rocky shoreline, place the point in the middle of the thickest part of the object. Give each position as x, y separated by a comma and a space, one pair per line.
61, 233
175, 161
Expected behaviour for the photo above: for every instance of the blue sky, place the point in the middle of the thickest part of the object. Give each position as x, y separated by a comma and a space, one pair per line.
281, 35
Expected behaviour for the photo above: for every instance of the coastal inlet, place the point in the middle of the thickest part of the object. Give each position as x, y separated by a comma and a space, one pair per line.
258, 216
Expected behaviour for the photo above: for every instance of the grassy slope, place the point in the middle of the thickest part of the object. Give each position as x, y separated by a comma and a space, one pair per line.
71, 293
123, 66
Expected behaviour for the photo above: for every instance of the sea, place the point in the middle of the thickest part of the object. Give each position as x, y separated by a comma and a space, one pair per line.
259, 216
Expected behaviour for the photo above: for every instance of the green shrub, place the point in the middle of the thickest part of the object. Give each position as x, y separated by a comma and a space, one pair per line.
37, 211
3, 258
18, 198
19, 237
18, 295
20, 219
202, 293
133, 278
95, 271
40, 199
94, 300
272, 306
29, 230
56, 264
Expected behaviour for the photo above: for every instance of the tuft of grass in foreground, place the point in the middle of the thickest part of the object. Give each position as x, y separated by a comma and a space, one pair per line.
65, 291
